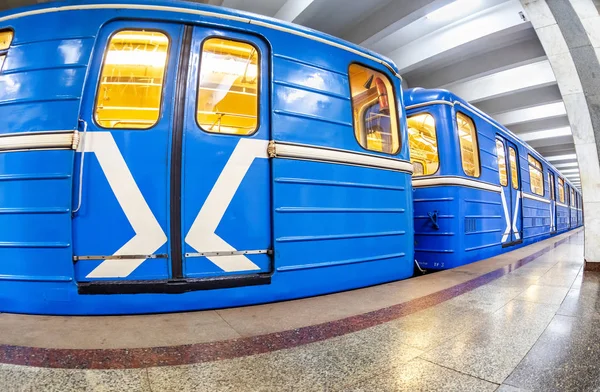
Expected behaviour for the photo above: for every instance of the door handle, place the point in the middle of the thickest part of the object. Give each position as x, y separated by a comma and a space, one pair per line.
81, 166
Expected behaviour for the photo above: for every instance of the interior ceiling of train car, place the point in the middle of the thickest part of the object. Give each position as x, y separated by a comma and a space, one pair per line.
483, 50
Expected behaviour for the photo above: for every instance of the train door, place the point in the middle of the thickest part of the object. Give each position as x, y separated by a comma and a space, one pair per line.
551, 181
511, 190
175, 180
226, 175
122, 170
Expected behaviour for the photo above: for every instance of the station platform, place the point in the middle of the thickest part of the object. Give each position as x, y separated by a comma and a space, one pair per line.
525, 320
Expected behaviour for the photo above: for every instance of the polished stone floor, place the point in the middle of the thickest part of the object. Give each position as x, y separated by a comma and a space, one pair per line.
528, 320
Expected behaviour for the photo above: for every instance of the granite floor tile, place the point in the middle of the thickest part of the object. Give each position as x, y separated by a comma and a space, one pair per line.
542, 294
581, 302
495, 347
488, 298
557, 278
510, 388
430, 327
98, 331
419, 375
511, 280
280, 371
313, 367
30, 379
565, 358
530, 272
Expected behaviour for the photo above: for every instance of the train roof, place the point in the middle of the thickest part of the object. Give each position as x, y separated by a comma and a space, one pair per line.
187, 7
419, 95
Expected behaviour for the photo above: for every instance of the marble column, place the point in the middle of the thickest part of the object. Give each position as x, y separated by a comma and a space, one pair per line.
569, 31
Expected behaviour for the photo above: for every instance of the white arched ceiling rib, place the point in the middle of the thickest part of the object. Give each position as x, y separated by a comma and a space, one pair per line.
555, 109
502, 18
505, 82
291, 9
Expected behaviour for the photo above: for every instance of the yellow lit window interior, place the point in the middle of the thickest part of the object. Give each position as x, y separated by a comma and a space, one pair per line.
469, 151
132, 79
514, 174
374, 110
536, 178
552, 190
561, 190
228, 87
501, 163
6, 38
422, 140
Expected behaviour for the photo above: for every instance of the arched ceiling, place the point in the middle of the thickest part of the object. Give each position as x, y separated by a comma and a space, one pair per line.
483, 50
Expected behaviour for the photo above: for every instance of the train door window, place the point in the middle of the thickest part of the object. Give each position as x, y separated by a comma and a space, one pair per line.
536, 179
374, 110
6, 38
552, 190
469, 149
131, 83
572, 197
561, 190
422, 140
228, 87
514, 172
501, 163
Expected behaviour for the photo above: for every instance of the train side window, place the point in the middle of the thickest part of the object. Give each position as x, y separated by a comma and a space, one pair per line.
469, 149
228, 87
536, 179
131, 81
552, 190
514, 172
6, 38
561, 190
502, 173
572, 197
422, 140
374, 110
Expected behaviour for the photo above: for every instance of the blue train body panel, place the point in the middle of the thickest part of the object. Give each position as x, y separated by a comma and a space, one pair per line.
175, 216
459, 218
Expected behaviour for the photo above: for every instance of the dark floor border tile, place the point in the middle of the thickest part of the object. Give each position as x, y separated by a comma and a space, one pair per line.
590, 266
240, 347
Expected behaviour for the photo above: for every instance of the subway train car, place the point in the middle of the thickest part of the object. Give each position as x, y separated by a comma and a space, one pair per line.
166, 156
478, 189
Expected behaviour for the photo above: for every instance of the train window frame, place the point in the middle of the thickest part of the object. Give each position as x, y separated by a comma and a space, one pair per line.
394, 101
500, 143
541, 171
436, 141
4, 51
561, 186
515, 180
259, 81
476, 137
162, 90
572, 199
551, 183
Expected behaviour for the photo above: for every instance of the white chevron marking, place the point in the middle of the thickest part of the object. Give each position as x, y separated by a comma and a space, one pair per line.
515, 215
149, 236
506, 218
202, 236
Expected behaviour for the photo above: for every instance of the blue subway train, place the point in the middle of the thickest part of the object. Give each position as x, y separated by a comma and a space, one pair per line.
166, 156
478, 189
